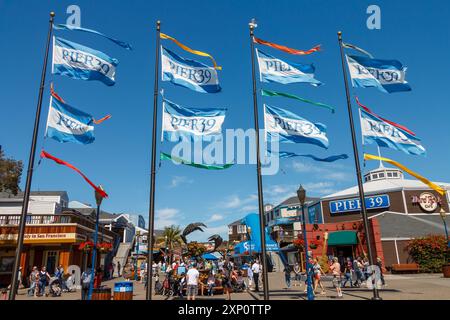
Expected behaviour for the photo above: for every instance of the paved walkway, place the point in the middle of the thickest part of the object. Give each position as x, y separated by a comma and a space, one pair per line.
399, 287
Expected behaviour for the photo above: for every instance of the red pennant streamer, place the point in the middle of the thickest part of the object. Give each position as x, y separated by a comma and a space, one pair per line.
286, 49
385, 120
62, 162
54, 94
102, 119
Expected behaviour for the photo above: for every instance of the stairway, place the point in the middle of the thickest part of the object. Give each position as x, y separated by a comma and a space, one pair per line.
122, 256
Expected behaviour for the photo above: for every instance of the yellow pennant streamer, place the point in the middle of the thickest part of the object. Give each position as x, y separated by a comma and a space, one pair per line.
199, 53
432, 185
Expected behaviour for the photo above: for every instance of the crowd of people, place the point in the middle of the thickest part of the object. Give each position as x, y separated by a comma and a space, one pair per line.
355, 272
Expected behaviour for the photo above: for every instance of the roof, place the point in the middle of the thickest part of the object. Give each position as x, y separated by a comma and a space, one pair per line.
6, 196
294, 201
78, 204
401, 225
235, 223
384, 186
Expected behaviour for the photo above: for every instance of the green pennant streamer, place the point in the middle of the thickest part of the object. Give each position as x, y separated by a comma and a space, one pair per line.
166, 156
269, 93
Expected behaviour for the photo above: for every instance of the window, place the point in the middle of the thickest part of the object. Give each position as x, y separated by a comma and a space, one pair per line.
242, 228
389, 174
375, 176
395, 174
381, 175
230, 230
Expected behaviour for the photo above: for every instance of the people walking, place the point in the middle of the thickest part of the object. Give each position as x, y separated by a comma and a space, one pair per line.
226, 281
249, 275
297, 275
287, 276
34, 282
348, 269
85, 283
256, 269
317, 271
336, 272
43, 280
192, 282
380, 265
357, 267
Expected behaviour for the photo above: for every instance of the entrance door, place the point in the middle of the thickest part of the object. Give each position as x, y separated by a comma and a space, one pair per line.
51, 260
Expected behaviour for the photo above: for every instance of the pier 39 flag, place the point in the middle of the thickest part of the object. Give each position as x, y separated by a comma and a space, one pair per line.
288, 127
188, 73
67, 124
79, 62
190, 123
386, 75
375, 130
272, 69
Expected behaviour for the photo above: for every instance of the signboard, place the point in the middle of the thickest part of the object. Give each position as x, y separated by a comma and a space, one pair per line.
427, 201
141, 222
44, 237
315, 214
350, 205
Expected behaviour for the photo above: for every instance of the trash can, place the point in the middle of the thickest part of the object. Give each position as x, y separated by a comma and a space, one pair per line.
103, 293
123, 290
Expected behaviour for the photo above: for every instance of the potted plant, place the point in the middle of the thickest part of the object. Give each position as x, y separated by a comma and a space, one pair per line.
86, 246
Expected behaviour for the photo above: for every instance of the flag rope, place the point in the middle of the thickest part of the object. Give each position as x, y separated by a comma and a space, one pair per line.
186, 48
432, 185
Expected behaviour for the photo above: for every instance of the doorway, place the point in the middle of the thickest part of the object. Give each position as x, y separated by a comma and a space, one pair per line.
51, 261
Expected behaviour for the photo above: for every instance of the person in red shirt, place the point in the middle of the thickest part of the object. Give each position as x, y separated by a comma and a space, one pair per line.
98, 278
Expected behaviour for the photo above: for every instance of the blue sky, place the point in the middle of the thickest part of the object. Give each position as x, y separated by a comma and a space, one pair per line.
414, 32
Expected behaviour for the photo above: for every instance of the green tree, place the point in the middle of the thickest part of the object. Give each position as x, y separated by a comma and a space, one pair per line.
10, 173
171, 237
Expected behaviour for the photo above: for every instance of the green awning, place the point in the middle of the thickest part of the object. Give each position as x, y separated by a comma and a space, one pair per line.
340, 238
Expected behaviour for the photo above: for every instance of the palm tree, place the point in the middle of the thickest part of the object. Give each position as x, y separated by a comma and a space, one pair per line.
171, 236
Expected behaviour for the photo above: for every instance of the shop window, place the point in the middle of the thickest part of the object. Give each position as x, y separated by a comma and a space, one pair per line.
395, 174
389, 174
381, 175
375, 176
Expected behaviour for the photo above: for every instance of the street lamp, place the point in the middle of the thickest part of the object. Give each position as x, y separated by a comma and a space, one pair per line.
301, 194
165, 249
98, 200
137, 255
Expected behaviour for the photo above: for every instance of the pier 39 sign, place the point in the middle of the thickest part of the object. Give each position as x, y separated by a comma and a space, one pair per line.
349, 205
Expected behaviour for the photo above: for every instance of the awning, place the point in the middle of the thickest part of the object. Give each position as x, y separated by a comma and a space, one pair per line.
340, 238
209, 256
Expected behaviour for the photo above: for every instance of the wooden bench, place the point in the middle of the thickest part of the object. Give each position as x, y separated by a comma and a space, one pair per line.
404, 267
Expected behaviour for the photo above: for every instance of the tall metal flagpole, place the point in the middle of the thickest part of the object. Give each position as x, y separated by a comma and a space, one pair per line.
258, 173
151, 214
358, 168
26, 196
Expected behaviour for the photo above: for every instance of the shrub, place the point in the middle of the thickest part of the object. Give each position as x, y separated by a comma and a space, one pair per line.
429, 252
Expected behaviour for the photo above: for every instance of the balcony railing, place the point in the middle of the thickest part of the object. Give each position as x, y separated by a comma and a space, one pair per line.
13, 220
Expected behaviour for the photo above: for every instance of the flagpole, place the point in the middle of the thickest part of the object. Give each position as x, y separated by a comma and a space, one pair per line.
258, 173
26, 196
151, 215
358, 168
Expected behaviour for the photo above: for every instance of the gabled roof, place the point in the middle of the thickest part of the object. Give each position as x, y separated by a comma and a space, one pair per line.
235, 223
386, 185
6, 196
292, 201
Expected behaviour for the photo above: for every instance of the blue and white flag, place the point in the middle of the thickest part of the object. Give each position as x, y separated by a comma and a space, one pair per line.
375, 130
190, 123
188, 73
67, 124
79, 62
288, 127
386, 75
272, 69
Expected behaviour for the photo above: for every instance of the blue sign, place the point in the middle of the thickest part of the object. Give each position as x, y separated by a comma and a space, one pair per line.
141, 222
349, 205
315, 214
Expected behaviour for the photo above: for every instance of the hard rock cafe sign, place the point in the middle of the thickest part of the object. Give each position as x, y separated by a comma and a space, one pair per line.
427, 201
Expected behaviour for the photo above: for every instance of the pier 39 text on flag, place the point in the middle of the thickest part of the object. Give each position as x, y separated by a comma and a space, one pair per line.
386, 75
375, 130
79, 62
272, 69
190, 123
289, 127
67, 124
188, 73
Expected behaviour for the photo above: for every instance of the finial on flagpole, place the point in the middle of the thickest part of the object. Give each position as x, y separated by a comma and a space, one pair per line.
340, 35
158, 25
253, 24
52, 14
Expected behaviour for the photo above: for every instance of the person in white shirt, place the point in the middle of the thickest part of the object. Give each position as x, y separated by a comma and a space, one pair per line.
192, 282
256, 269
249, 276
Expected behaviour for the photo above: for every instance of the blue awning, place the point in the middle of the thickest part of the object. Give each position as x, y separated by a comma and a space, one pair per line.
209, 256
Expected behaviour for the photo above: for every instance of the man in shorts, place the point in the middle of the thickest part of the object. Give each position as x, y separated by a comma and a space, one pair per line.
192, 282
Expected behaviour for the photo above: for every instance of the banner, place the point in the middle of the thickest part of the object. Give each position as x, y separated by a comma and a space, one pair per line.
432, 185
386, 75
272, 69
290, 128
186, 48
375, 130
190, 123
166, 156
286, 154
74, 28
67, 124
79, 62
351, 46
62, 162
188, 73
270, 93
286, 49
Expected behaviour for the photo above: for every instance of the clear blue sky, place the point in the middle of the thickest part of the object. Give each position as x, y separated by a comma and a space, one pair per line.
414, 32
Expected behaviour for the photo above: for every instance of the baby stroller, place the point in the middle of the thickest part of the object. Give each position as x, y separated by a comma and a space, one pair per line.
167, 286
159, 289
54, 287
238, 284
